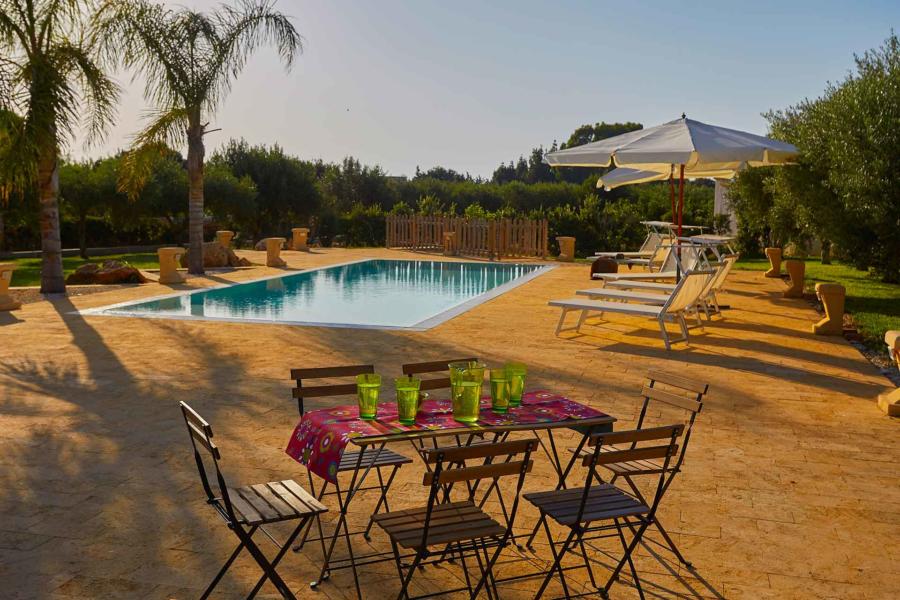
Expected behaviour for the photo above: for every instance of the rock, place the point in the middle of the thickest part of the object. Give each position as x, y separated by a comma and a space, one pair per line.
604, 265
111, 272
216, 255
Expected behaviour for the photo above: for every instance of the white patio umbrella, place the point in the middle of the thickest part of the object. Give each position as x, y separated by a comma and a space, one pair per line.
695, 149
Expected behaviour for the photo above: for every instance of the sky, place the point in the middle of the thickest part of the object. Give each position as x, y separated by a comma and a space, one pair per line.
470, 84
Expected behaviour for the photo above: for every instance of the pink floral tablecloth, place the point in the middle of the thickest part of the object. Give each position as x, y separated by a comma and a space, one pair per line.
322, 435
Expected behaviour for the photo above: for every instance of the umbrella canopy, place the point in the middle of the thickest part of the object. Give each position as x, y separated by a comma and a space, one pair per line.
697, 149
628, 176
683, 141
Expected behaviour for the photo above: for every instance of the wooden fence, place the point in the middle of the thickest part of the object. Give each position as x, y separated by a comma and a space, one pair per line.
490, 238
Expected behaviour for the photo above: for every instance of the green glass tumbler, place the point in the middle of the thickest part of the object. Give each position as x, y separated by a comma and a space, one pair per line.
516, 373
499, 390
408, 400
466, 380
368, 386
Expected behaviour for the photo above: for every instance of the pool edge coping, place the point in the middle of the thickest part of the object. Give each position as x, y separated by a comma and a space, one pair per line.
423, 325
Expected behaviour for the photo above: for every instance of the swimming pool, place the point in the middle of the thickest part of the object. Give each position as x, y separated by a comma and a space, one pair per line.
381, 294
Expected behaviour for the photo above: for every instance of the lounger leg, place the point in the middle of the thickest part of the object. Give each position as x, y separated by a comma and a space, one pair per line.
581, 320
665, 334
562, 320
684, 327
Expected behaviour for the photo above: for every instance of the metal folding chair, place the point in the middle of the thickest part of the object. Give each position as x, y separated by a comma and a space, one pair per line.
246, 509
461, 528
686, 395
587, 511
351, 462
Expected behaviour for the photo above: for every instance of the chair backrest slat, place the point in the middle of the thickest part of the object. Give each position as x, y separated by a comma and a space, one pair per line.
635, 435
678, 381
671, 399
433, 366
204, 440
461, 453
301, 391
621, 456
488, 471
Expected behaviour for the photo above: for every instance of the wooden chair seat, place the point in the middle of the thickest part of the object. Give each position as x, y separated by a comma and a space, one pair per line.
264, 503
604, 502
372, 458
454, 522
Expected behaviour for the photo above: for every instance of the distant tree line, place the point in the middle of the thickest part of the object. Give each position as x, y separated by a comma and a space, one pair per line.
261, 191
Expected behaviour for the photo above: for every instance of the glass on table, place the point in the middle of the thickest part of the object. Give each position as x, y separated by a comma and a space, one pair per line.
466, 379
408, 399
368, 387
499, 379
516, 372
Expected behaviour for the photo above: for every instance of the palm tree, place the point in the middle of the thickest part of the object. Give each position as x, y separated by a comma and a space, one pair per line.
189, 60
50, 86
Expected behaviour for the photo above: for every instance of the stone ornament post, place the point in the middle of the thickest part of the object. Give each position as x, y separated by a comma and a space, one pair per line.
169, 259
273, 252
889, 402
224, 238
774, 256
6, 301
450, 243
832, 296
566, 249
301, 237
797, 270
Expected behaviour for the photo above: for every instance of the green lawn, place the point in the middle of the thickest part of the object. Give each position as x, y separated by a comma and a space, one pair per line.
29, 269
875, 306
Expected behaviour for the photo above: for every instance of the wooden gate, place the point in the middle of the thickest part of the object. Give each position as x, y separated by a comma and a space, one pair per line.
489, 238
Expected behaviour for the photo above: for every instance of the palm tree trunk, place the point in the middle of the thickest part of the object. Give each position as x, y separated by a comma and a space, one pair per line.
51, 246
82, 235
195, 197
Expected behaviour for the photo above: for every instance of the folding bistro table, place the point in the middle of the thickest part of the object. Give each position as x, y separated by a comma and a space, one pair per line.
321, 436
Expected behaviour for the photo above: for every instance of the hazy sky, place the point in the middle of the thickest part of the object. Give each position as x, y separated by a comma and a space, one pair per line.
467, 85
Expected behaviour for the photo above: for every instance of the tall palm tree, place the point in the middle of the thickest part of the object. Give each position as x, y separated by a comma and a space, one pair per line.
189, 60
50, 86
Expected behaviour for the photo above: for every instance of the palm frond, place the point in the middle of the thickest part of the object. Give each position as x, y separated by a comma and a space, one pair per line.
166, 129
98, 91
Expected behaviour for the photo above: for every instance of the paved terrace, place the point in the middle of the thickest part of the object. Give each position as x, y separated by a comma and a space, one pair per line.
791, 487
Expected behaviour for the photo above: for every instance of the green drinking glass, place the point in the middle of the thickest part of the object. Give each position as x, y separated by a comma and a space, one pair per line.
466, 380
516, 373
368, 386
408, 400
499, 390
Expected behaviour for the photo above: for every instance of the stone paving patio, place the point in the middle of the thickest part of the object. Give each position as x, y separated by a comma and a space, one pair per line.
791, 487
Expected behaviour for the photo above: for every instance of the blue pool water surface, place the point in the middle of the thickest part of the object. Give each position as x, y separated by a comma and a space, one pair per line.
372, 293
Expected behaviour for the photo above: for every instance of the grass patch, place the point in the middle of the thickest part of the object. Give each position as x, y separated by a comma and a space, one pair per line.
29, 269
875, 305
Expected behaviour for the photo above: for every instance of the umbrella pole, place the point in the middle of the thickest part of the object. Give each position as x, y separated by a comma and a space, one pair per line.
672, 190
680, 222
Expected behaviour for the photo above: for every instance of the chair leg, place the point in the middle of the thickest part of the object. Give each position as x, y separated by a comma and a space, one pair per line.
404, 593
265, 565
634, 575
382, 499
303, 523
627, 558
225, 567
557, 563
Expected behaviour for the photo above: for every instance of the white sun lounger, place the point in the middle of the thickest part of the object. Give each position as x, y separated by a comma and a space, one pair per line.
642, 288
691, 256
683, 299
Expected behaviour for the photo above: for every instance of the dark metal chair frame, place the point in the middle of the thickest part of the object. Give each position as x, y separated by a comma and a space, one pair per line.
351, 461
690, 400
248, 508
586, 511
460, 529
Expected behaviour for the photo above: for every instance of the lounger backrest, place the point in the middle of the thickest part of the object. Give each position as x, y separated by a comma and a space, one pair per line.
690, 257
719, 279
688, 290
651, 242
660, 257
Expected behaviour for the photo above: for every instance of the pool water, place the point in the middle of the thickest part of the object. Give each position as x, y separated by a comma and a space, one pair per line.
408, 294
